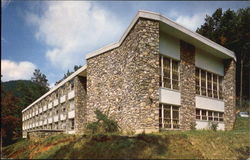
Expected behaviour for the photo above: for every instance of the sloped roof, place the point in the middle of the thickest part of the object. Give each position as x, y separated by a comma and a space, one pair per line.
187, 34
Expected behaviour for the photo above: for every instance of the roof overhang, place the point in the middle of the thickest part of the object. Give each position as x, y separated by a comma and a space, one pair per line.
80, 72
176, 30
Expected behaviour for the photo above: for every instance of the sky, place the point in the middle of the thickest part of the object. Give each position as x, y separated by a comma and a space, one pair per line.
53, 36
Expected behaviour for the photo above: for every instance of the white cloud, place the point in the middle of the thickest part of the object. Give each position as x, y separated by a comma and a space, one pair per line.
70, 29
191, 22
11, 70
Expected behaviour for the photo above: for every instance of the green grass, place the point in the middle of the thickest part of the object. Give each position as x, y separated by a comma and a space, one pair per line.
202, 144
19, 148
242, 124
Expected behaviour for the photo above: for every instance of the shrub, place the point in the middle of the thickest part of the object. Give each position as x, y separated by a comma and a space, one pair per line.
103, 124
193, 125
214, 126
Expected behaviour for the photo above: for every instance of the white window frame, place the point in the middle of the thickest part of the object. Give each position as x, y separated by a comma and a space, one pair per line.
212, 84
200, 114
171, 71
171, 116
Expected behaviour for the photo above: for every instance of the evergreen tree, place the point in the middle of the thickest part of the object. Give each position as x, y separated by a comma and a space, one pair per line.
76, 67
232, 30
40, 78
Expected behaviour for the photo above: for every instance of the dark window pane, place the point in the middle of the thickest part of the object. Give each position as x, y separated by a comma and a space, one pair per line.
166, 67
220, 88
215, 86
204, 115
176, 115
210, 115
203, 83
209, 84
175, 84
166, 82
198, 116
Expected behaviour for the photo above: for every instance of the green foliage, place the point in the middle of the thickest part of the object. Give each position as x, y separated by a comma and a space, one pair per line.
193, 125
242, 124
15, 96
231, 29
40, 78
193, 144
24, 91
213, 125
103, 124
76, 67
18, 147
49, 153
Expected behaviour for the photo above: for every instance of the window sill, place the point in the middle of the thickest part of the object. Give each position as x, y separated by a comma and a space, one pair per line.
169, 129
170, 89
222, 100
209, 121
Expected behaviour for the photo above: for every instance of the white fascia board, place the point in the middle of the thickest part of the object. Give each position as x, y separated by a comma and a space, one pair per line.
198, 37
83, 68
158, 17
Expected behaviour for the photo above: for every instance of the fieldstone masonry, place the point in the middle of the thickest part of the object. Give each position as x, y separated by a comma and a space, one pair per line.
229, 93
124, 82
80, 103
187, 85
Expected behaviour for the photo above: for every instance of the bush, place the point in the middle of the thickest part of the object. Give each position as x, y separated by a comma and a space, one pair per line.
214, 126
103, 124
193, 125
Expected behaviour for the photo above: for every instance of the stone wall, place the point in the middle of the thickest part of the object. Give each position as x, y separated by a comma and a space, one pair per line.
229, 93
124, 82
187, 85
61, 108
80, 103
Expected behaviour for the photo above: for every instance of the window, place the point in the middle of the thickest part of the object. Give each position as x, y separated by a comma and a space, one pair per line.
208, 84
72, 124
204, 115
209, 115
216, 116
221, 117
169, 73
203, 83
168, 116
220, 88
56, 125
64, 124
71, 105
198, 114
215, 86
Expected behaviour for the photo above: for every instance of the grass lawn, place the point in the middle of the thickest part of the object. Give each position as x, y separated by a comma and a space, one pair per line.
197, 144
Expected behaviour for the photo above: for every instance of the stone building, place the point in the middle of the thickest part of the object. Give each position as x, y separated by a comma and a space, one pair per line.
158, 76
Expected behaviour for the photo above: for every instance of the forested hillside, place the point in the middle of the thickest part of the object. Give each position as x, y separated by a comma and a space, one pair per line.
25, 90
15, 96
